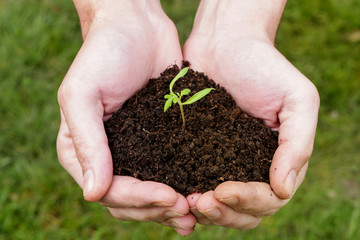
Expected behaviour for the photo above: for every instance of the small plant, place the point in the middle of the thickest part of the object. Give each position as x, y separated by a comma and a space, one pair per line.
176, 97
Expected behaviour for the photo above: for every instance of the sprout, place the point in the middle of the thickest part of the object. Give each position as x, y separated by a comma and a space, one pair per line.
176, 97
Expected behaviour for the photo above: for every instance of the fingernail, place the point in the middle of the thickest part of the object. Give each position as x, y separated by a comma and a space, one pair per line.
88, 181
290, 182
212, 213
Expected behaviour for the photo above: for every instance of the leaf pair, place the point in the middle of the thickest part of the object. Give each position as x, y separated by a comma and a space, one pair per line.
174, 98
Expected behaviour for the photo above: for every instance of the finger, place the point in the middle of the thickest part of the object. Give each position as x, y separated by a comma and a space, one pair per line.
253, 198
83, 115
192, 199
129, 192
184, 232
182, 225
298, 120
157, 214
223, 215
66, 153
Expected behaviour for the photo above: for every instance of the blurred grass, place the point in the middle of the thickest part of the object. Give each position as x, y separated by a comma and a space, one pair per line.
39, 200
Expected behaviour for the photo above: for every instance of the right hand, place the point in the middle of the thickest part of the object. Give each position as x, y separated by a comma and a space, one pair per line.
125, 44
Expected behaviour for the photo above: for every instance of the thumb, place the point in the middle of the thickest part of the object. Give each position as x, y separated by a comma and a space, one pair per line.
85, 122
298, 120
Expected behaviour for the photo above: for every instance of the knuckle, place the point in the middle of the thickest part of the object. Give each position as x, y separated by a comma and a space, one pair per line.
66, 92
62, 93
307, 153
314, 94
65, 152
82, 152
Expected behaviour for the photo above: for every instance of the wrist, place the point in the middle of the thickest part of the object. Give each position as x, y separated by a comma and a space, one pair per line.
109, 12
243, 19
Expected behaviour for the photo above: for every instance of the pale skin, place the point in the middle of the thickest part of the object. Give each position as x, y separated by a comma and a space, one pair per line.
126, 43
233, 44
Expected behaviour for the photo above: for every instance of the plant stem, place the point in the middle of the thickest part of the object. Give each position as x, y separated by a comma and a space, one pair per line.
182, 114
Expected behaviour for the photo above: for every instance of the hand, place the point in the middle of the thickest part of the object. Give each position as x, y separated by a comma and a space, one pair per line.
125, 44
233, 44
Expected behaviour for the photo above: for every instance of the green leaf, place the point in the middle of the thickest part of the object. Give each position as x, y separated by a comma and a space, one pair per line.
168, 104
175, 100
185, 92
199, 95
167, 96
179, 75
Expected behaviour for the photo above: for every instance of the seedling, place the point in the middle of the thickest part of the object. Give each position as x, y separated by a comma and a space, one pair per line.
176, 97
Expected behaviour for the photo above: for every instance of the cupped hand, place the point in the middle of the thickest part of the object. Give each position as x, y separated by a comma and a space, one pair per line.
123, 47
265, 85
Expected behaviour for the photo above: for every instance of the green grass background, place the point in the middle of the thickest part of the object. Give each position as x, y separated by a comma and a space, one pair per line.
39, 200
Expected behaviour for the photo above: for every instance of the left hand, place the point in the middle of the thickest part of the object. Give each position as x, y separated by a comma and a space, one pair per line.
265, 85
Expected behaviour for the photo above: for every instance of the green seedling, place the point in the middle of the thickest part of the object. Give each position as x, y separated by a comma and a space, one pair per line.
174, 98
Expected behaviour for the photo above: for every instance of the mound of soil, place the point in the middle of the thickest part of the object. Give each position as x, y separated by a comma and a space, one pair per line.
220, 142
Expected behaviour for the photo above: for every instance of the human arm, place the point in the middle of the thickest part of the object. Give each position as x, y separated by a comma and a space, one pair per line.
125, 44
233, 42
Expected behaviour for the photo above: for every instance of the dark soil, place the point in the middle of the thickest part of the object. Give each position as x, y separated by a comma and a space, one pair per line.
220, 142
